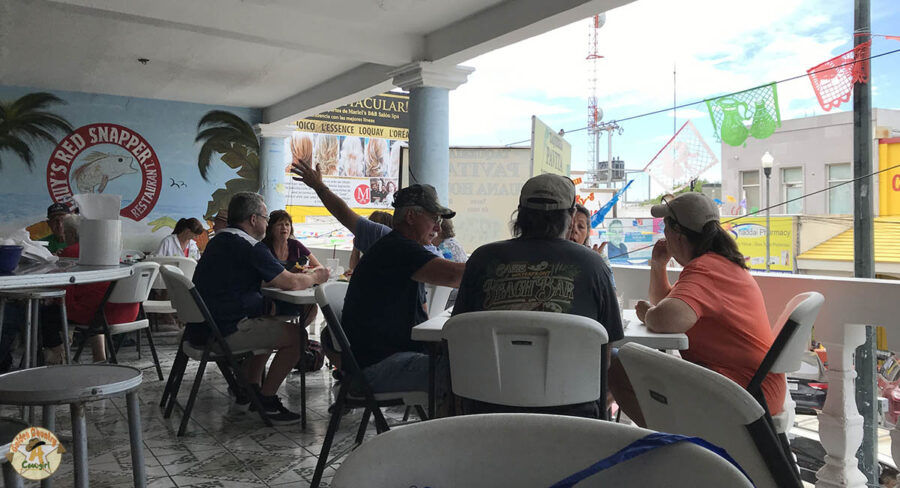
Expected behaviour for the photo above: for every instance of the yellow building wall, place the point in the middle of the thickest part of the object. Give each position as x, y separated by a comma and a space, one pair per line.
889, 181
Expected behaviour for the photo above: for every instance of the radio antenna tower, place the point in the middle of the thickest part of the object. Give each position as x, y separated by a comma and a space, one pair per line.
595, 113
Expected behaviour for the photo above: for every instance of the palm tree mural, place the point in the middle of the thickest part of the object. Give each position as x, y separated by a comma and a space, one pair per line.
26, 121
233, 138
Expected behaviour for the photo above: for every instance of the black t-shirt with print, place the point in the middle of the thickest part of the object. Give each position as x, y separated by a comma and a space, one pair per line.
547, 275
383, 303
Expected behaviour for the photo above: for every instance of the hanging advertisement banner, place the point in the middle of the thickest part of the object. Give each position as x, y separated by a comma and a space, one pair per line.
550, 153
357, 147
750, 234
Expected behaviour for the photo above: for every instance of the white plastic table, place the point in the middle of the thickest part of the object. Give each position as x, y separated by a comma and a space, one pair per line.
76, 384
64, 272
635, 331
297, 297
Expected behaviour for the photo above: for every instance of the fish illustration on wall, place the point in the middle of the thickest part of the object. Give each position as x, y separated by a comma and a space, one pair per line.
100, 168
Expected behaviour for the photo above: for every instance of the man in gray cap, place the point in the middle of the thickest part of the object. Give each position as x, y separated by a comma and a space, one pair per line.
55, 214
541, 270
386, 297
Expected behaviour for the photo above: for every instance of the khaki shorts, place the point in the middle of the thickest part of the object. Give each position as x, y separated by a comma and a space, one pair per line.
261, 333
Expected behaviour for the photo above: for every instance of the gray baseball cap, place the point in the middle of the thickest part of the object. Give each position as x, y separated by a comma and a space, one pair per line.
690, 210
548, 192
423, 196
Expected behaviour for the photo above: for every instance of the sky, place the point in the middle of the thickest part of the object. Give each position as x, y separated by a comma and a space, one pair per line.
715, 46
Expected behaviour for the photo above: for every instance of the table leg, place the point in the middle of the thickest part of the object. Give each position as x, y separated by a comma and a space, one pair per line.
28, 334
48, 418
432, 368
11, 479
79, 445
138, 468
65, 329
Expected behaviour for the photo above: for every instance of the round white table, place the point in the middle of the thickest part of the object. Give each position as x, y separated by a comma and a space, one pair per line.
64, 272
76, 384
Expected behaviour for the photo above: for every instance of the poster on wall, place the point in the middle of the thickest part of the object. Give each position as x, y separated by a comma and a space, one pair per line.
550, 153
358, 149
630, 241
750, 234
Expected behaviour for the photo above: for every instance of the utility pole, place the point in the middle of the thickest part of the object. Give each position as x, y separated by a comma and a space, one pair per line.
863, 244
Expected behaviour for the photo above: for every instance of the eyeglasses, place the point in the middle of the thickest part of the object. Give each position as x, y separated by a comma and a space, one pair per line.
665, 200
266, 217
437, 219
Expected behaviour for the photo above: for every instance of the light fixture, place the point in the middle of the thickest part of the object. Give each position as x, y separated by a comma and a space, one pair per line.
767, 161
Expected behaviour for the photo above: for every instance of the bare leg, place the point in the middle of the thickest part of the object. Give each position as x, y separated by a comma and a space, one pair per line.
98, 347
624, 393
253, 368
285, 359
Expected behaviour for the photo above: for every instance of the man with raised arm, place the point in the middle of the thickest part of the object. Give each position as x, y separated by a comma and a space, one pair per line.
228, 277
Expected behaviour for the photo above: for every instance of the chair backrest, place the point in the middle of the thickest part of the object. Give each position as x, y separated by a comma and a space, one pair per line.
183, 295
135, 288
684, 398
795, 323
481, 451
185, 264
330, 297
525, 359
437, 297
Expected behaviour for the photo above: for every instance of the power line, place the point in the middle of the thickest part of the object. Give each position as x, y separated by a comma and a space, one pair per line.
689, 104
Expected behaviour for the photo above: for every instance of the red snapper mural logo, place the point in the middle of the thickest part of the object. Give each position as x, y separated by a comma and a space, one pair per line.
97, 168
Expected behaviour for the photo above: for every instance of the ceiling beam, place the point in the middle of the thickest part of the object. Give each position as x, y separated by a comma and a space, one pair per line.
361, 82
507, 23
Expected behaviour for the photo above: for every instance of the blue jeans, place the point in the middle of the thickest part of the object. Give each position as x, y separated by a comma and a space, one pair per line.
403, 371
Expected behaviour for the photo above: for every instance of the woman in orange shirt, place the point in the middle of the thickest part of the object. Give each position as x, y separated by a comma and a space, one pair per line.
715, 301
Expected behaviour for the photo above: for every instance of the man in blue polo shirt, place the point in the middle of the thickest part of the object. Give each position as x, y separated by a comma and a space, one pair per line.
228, 277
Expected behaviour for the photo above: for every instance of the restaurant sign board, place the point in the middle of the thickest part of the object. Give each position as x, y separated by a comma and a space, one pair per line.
550, 153
93, 156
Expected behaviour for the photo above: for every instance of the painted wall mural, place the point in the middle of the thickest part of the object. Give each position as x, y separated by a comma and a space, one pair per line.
142, 149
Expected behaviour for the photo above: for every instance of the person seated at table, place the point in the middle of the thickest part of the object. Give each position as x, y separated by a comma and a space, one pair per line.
715, 301
228, 277
577, 281
365, 231
220, 221
448, 245
56, 239
386, 297
293, 255
82, 306
580, 233
181, 241
379, 217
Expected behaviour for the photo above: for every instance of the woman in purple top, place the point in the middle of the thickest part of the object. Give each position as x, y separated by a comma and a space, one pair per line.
293, 255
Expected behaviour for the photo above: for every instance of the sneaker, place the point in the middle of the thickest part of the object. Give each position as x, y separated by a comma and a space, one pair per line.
277, 413
240, 406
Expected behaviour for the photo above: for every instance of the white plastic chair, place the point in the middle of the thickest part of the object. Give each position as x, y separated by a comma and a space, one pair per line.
683, 398
133, 289
187, 267
192, 310
793, 329
487, 451
527, 359
436, 297
330, 297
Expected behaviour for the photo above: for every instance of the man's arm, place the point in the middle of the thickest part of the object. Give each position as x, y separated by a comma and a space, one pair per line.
440, 271
312, 177
299, 281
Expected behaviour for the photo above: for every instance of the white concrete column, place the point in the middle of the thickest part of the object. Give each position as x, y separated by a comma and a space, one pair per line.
429, 120
272, 161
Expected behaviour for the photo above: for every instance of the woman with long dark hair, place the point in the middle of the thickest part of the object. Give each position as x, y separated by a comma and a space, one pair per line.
293, 255
181, 241
715, 301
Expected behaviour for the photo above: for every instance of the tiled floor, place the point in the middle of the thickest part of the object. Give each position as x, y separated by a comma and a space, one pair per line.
217, 450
